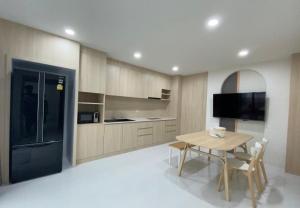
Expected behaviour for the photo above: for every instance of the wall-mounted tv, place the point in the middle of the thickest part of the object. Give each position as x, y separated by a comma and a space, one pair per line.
245, 106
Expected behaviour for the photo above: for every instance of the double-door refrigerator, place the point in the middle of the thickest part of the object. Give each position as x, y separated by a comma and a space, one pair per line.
37, 122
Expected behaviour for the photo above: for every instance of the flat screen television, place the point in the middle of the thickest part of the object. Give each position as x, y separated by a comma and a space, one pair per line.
245, 106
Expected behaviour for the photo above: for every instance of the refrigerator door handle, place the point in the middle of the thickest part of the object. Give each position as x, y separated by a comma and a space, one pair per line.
36, 144
38, 110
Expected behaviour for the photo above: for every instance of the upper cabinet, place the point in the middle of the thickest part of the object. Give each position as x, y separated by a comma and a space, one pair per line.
155, 83
131, 81
113, 71
92, 71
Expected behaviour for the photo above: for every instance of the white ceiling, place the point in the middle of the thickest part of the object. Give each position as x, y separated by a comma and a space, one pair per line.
170, 32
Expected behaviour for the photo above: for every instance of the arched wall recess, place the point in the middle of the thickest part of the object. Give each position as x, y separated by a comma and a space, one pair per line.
239, 82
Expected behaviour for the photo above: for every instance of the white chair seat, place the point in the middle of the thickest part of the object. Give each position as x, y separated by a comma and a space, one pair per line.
234, 163
242, 156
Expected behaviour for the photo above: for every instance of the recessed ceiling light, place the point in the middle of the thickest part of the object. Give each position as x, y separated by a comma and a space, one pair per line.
213, 23
137, 55
69, 31
175, 68
243, 53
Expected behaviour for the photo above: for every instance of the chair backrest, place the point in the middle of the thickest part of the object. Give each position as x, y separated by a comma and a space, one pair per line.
256, 154
264, 143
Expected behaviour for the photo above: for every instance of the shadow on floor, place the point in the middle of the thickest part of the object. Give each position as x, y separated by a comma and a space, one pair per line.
200, 178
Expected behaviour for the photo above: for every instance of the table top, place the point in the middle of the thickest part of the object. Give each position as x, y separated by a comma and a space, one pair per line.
203, 139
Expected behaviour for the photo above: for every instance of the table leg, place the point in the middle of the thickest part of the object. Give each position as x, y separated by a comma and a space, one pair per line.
226, 184
183, 159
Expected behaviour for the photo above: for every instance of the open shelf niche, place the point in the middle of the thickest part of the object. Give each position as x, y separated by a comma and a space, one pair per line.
165, 94
91, 102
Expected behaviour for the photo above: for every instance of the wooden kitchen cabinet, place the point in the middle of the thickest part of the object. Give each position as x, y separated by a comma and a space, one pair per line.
158, 132
144, 134
130, 81
154, 83
170, 130
129, 138
92, 71
112, 138
89, 140
113, 78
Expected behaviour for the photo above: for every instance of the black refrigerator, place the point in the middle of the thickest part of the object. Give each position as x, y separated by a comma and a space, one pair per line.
37, 122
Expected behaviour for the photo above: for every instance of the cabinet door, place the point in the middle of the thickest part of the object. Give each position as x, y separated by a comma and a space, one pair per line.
158, 132
145, 134
92, 71
124, 81
113, 78
145, 140
170, 130
137, 84
112, 138
156, 86
131, 82
90, 141
129, 139
155, 82
147, 82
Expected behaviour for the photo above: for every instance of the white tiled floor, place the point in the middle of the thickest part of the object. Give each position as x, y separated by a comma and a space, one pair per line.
143, 179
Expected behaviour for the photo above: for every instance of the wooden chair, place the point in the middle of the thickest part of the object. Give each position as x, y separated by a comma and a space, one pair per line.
179, 146
261, 167
248, 169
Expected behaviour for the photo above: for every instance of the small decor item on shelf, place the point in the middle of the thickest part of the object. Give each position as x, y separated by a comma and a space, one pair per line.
218, 132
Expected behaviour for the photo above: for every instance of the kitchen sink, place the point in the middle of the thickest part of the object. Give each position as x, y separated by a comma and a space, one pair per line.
117, 120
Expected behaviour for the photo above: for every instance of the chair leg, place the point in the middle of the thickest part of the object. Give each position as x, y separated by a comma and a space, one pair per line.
259, 175
179, 159
258, 181
220, 180
182, 160
170, 155
230, 174
264, 171
251, 190
209, 151
199, 152
246, 148
190, 154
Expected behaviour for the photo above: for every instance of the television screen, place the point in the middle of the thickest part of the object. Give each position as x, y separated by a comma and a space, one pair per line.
245, 106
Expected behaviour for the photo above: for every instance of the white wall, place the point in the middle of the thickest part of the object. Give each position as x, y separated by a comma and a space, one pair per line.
277, 77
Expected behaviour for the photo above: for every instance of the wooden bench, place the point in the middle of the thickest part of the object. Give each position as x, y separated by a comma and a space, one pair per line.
179, 146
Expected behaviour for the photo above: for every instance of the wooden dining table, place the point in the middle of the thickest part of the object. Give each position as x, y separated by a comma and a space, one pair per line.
203, 139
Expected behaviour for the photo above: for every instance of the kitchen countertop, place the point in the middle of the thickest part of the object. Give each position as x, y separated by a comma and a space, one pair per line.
142, 119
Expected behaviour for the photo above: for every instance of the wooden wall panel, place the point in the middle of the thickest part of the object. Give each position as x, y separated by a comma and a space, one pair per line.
293, 141
193, 103
18, 41
174, 106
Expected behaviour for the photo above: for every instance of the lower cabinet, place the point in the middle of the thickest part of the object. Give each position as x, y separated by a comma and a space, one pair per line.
90, 141
113, 138
98, 139
144, 133
129, 138
170, 130
158, 132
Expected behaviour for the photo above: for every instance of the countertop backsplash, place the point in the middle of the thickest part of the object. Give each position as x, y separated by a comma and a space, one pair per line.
123, 107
